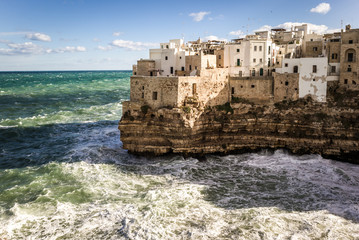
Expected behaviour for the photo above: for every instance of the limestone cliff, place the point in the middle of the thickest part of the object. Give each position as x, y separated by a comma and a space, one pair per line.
304, 126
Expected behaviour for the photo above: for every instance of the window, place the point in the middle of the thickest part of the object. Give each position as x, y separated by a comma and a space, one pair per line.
349, 68
194, 88
134, 73
254, 60
166, 58
280, 52
180, 57
313, 79
238, 62
295, 69
286, 65
260, 48
232, 90
350, 57
182, 69
166, 46
334, 56
255, 48
314, 68
195, 67
334, 69
171, 70
143, 87
350, 41
345, 81
260, 60
219, 56
190, 67
237, 49
286, 83
252, 86
315, 49
354, 83
154, 95
269, 50
253, 73
143, 95
151, 73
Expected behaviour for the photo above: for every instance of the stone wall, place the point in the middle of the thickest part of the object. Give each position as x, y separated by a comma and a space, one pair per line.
313, 48
145, 67
286, 86
255, 89
154, 91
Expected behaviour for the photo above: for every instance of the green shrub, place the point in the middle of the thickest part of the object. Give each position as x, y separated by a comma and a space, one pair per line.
144, 109
225, 107
186, 109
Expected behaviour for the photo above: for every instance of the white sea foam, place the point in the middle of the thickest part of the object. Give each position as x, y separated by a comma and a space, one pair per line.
176, 198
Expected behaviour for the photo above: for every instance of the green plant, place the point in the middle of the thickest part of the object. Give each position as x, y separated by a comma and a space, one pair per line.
225, 107
186, 109
144, 109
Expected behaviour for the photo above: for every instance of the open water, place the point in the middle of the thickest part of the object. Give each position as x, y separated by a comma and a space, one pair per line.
64, 175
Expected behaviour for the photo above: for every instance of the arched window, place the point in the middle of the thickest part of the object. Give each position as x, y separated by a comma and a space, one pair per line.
295, 69
350, 55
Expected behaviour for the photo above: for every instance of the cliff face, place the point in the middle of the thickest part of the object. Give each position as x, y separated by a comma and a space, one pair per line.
330, 129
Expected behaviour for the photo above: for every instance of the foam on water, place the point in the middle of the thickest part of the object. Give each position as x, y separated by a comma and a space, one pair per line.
169, 200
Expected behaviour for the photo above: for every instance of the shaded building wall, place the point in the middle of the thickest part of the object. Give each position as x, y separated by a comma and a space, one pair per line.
255, 89
286, 86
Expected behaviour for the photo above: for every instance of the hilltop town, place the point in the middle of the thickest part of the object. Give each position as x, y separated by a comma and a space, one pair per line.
215, 96
266, 67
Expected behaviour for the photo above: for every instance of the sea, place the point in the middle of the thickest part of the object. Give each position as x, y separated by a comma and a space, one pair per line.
65, 175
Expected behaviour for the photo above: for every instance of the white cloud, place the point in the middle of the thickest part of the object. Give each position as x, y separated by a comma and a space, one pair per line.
96, 40
213, 38
38, 37
198, 16
69, 49
12, 33
237, 33
319, 29
106, 48
22, 48
131, 45
29, 48
322, 8
116, 34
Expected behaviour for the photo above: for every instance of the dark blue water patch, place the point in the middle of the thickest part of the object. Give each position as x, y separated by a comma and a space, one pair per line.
32, 146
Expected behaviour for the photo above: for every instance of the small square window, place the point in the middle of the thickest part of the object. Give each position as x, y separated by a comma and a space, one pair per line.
314, 68
166, 58
154, 95
345, 81
315, 49
260, 60
286, 83
255, 48
252, 86
260, 48
237, 49
350, 41
286, 65
254, 60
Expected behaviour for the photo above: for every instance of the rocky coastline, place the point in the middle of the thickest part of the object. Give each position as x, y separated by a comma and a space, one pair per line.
304, 126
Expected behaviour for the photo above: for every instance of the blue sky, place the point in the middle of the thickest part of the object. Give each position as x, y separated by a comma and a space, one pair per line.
112, 35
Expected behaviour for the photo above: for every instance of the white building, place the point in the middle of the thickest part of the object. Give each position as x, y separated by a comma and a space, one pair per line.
312, 75
170, 57
251, 56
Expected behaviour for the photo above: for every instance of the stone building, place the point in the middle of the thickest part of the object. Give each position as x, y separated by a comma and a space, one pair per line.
349, 58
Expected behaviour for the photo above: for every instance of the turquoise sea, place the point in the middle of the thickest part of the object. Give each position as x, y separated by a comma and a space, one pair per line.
64, 175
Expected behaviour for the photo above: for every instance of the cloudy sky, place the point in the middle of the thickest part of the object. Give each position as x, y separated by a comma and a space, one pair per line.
113, 34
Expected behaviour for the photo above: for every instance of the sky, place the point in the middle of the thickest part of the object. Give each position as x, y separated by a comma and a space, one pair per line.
45, 35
